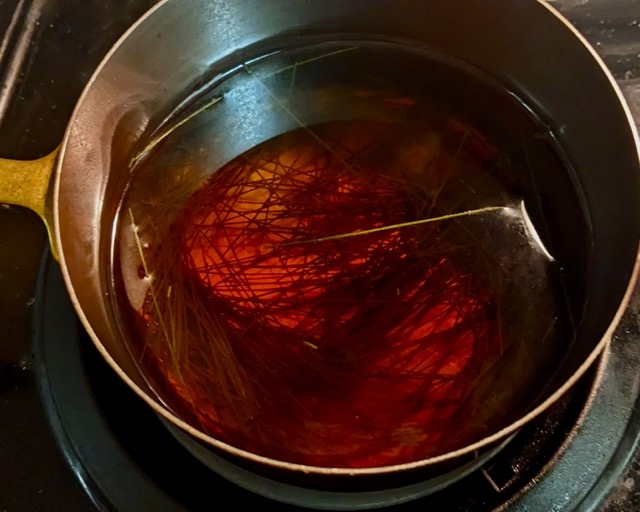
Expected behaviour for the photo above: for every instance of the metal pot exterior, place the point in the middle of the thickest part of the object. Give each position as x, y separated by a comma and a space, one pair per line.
525, 45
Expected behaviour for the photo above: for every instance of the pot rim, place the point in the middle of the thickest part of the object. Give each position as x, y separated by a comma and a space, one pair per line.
330, 471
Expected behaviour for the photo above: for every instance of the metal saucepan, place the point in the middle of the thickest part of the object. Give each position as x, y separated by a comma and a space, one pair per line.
168, 57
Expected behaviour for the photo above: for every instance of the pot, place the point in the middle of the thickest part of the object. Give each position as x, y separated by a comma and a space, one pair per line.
158, 77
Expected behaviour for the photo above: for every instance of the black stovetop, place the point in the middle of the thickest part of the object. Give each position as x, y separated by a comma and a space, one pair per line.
72, 436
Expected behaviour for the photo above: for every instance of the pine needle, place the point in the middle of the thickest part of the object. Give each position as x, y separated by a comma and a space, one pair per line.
342, 236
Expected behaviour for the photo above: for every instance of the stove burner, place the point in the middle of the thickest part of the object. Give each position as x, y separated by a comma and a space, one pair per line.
110, 437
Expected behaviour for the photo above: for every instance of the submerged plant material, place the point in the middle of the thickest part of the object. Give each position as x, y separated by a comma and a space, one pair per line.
352, 293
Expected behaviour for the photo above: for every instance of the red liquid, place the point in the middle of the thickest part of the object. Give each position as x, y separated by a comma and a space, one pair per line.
281, 332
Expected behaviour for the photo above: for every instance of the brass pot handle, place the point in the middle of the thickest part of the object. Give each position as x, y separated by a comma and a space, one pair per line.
27, 183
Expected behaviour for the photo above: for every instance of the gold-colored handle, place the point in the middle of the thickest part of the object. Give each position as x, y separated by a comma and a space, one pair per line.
26, 183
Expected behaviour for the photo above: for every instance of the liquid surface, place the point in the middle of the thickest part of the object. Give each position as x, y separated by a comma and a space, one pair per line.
331, 260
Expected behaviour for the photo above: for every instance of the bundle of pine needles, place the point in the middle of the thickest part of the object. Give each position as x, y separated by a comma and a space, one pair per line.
309, 307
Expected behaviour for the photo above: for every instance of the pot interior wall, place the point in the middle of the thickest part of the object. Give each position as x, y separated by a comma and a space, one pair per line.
533, 54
